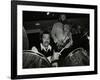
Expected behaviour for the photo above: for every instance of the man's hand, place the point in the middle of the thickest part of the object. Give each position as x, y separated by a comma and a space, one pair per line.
55, 64
56, 55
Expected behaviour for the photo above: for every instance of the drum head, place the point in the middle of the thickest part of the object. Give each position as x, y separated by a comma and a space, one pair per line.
34, 60
77, 57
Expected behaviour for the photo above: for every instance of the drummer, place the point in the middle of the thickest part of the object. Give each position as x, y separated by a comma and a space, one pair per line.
61, 35
44, 46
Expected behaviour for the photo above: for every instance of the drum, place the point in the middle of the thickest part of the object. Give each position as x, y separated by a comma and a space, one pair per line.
34, 60
77, 57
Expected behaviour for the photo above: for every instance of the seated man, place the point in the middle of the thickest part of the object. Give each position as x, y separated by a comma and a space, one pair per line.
44, 47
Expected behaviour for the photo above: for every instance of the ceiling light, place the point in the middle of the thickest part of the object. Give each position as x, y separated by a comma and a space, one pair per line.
37, 24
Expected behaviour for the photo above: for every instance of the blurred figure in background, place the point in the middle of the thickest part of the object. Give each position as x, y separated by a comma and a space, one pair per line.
61, 32
62, 36
81, 36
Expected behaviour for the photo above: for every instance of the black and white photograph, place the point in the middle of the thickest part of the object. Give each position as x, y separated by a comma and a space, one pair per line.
53, 40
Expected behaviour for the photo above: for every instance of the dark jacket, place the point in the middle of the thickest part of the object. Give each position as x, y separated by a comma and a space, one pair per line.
47, 53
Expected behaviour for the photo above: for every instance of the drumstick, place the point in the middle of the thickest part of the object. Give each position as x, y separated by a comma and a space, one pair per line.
62, 50
84, 34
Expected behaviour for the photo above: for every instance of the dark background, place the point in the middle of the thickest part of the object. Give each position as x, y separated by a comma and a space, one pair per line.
36, 22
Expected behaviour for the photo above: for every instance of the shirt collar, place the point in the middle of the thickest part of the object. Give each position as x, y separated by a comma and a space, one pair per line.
43, 48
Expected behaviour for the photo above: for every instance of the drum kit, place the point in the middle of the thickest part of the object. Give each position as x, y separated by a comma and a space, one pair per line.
31, 59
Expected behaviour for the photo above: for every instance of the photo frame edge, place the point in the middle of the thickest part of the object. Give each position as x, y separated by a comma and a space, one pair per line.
14, 44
